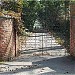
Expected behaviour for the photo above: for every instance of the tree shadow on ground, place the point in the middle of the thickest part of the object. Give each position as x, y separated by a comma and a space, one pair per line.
61, 65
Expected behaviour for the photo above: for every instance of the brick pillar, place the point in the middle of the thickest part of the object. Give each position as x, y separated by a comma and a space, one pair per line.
72, 36
72, 29
7, 48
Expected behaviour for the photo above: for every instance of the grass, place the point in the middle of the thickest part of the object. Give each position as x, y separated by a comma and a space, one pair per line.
59, 40
1, 62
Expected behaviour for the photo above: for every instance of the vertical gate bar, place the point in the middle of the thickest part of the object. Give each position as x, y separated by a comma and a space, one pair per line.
51, 40
25, 41
65, 24
45, 42
19, 44
35, 40
42, 43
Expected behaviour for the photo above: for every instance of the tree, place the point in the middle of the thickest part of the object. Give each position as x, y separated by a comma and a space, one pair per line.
29, 13
11, 5
13, 8
50, 13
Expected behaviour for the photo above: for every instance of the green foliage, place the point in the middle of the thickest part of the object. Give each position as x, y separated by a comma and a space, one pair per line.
59, 41
52, 14
29, 13
11, 5
14, 9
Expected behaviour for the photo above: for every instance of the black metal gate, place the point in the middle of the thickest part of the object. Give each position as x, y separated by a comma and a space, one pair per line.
41, 44
57, 38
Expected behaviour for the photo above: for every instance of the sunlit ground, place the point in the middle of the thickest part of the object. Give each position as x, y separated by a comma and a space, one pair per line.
44, 65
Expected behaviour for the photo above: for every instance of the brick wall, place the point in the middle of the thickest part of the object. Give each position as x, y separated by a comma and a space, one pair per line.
8, 47
72, 29
72, 37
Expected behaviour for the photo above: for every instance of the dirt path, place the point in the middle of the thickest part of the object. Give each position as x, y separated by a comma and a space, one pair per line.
32, 62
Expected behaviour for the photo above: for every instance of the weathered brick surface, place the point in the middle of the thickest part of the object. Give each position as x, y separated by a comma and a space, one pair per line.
72, 37
72, 30
7, 39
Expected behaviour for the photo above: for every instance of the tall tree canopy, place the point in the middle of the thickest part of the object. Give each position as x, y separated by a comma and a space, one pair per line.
49, 13
29, 13
11, 5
